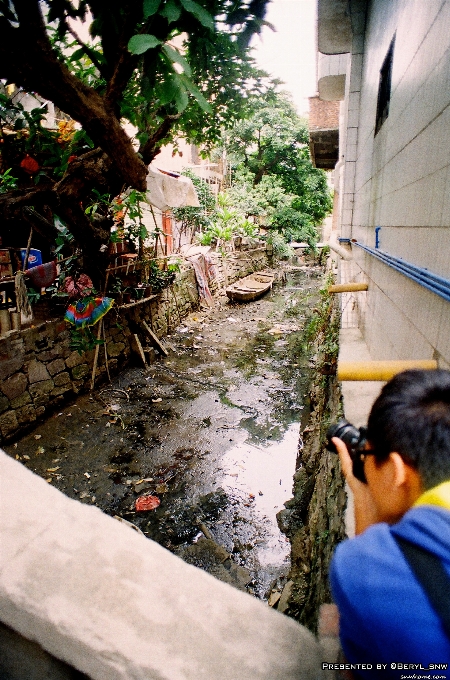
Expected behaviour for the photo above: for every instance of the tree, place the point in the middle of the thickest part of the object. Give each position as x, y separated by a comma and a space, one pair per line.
273, 169
132, 68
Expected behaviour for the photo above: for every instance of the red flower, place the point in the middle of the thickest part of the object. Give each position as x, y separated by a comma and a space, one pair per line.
30, 165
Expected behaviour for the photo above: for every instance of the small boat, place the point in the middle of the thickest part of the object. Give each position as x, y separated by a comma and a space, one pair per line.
250, 287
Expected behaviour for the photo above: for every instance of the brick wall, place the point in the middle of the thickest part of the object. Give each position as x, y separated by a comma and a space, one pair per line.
323, 115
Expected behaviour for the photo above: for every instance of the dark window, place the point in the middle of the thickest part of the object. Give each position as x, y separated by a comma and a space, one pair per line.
384, 88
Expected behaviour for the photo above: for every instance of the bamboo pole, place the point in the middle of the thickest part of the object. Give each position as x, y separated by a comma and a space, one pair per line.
97, 349
347, 287
97, 346
379, 370
27, 252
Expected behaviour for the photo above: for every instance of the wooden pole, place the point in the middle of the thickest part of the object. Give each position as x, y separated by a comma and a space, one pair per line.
27, 252
97, 346
155, 339
97, 349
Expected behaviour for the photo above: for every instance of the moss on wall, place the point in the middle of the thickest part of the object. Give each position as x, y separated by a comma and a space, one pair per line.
314, 518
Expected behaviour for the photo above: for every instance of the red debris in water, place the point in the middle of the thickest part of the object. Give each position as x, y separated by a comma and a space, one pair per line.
144, 503
29, 164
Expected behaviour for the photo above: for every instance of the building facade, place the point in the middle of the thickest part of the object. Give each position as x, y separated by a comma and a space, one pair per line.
388, 63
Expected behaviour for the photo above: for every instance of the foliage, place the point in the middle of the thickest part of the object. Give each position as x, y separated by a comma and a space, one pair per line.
295, 225
159, 279
52, 150
281, 249
169, 67
226, 222
133, 225
7, 181
261, 200
273, 174
83, 339
196, 219
323, 328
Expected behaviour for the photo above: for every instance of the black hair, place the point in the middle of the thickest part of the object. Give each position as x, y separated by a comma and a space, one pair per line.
412, 416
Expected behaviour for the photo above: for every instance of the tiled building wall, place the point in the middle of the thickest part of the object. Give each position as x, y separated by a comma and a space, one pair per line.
402, 177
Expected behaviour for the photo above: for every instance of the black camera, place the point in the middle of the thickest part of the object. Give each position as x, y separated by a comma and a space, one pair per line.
355, 440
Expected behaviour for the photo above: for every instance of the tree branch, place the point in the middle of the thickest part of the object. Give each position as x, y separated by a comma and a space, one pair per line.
27, 58
151, 147
87, 50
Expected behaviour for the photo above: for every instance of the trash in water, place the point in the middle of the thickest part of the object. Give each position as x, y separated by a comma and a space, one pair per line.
144, 503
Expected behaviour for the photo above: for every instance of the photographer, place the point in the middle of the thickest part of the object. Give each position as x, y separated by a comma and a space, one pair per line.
391, 582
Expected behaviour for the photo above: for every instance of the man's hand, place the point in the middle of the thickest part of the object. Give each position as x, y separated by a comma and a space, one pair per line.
365, 510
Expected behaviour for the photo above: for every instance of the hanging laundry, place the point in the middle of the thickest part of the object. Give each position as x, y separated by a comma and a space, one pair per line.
80, 286
43, 275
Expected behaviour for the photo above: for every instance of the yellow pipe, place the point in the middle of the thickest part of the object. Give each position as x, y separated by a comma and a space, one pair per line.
379, 370
347, 287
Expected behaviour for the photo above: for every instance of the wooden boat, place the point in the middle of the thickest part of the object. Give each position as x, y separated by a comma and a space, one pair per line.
250, 287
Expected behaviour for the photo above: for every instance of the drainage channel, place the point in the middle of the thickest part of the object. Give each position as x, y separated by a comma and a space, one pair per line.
211, 432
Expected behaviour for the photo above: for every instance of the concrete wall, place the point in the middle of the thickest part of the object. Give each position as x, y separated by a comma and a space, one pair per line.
400, 178
114, 604
38, 370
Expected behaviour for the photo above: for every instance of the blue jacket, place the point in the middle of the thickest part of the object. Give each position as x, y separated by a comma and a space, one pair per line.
385, 616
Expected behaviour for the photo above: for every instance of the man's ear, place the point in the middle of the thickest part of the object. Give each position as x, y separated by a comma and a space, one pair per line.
398, 469
405, 477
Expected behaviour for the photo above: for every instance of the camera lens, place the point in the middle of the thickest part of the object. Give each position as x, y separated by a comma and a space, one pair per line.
344, 430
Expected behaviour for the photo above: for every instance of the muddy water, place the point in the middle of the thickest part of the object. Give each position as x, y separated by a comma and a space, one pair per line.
211, 431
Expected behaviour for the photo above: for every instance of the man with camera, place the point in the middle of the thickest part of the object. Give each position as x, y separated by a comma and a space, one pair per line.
391, 582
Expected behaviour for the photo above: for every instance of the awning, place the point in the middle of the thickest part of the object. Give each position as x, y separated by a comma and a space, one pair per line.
167, 190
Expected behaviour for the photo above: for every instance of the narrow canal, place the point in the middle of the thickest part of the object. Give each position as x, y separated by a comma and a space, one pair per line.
211, 431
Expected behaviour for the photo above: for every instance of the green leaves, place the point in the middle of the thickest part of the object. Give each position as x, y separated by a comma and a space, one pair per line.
139, 44
171, 11
196, 93
151, 7
167, 90
175, 56
199, 13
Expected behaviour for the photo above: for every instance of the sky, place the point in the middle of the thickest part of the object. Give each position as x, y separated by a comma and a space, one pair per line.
290, 52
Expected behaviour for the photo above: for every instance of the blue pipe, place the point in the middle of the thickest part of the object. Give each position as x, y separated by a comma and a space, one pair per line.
377, 237
436, 284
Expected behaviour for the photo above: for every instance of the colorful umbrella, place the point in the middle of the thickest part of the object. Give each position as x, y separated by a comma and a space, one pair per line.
88, 310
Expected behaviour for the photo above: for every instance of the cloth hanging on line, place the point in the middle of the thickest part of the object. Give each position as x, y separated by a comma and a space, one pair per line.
204, 268
80, 286
43, 275
22, 302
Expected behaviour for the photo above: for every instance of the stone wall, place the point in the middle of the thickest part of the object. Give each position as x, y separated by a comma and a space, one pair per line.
314, 518
39, 371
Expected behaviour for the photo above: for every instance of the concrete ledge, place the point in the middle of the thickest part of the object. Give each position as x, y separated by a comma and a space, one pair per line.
116, 605
358, 396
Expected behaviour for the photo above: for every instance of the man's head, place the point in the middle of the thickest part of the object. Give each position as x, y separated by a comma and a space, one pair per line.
412, 417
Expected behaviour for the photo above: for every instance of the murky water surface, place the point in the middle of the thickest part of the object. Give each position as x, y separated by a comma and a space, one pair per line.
211, 431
